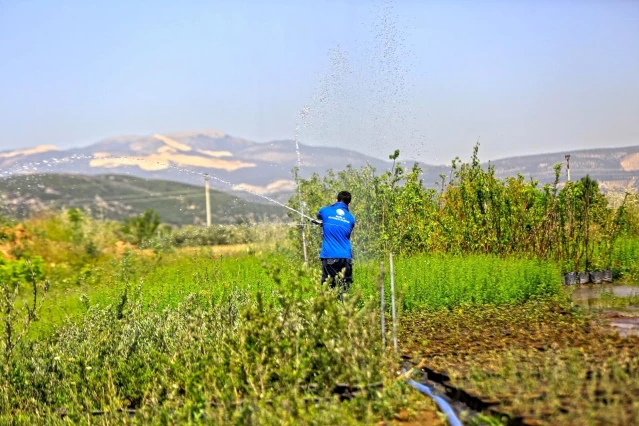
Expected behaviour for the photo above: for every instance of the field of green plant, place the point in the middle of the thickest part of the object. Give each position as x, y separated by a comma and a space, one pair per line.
136, 322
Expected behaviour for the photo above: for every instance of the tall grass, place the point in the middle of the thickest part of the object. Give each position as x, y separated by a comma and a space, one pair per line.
422, 282
626, 259
444, 282
165, 279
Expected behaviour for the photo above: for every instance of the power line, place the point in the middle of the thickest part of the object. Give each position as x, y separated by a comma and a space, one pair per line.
131, 197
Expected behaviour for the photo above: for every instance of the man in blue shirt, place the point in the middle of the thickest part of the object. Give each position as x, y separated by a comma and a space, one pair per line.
337, 254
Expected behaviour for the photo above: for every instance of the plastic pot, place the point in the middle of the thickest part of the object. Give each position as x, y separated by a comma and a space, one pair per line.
584, 278
570, 278
596, 277
607, 276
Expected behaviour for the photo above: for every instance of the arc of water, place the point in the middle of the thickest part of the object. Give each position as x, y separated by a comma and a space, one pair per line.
22, 168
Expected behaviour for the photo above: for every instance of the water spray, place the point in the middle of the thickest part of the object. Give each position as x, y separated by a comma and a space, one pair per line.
303, 114
31, 168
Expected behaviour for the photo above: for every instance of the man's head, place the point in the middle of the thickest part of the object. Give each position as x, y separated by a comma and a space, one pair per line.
344, 197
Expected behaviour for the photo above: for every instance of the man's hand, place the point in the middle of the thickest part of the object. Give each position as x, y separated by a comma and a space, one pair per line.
316, 222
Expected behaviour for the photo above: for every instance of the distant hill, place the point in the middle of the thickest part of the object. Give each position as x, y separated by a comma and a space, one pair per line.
265, 168
118, 196
262, 168
612, 167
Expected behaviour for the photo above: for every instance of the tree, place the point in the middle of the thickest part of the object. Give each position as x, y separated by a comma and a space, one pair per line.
142, 227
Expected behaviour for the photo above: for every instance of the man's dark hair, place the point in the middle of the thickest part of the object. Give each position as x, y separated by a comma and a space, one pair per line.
344, 197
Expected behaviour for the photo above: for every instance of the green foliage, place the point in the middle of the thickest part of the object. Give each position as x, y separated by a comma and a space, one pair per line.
21, 271
235, 360
626, 256
436, 282
191, 236
5, 221
475, 213
16, 319
389, 215
142, 227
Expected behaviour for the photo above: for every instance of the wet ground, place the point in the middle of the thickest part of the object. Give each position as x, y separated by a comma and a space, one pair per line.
619, 305
592, 295
625, 325
538, 363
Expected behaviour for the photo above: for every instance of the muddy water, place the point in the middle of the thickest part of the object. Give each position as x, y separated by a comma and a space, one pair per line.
625, 325
590, 295
623, 320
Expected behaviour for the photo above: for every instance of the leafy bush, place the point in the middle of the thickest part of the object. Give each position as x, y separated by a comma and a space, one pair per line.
236, 359
16, 272
473, 213
142, 227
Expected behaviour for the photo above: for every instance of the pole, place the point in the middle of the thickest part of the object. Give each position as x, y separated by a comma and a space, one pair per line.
392, 283
568, 166
381, 296
302, 223
208, 200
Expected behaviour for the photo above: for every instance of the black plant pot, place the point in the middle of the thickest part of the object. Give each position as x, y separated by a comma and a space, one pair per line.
570, 278
596, 277
607, 276
584, 278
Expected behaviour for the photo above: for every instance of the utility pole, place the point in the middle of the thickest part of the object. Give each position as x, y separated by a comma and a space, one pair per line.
568, 166
208, 200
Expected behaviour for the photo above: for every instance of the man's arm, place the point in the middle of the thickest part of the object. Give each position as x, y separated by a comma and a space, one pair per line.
319, 220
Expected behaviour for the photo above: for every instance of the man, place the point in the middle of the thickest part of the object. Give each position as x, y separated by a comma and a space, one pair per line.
337, 254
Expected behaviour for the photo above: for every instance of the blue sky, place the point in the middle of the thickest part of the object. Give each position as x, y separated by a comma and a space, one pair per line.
524, 77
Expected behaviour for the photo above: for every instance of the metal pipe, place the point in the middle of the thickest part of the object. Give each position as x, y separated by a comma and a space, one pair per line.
381, 296
392, 283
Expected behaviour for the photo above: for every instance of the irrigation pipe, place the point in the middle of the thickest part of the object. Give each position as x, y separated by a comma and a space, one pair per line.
443, 405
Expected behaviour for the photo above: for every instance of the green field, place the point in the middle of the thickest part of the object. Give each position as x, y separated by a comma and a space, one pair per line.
422, 282
108, 322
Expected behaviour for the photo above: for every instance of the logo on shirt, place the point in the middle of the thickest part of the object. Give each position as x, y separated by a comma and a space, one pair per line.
340, 212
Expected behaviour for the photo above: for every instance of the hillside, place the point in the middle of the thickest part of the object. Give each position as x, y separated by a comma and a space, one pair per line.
118, 196
265, 168
613, 167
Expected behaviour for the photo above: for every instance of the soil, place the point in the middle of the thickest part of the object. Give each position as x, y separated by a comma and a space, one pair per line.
404, 418
538, 363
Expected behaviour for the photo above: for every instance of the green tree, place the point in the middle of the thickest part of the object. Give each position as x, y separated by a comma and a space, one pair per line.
142, 227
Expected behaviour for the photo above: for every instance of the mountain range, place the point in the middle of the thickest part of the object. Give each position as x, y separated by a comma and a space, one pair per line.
116, 197
253, 170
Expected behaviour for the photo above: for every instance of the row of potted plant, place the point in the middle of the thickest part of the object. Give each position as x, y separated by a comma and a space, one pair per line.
593, 277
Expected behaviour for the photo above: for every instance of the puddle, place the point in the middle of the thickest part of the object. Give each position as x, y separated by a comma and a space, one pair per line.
626, 325
590, 295
624, 320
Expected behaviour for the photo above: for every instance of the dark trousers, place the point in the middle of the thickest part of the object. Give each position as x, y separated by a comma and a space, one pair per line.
340, 272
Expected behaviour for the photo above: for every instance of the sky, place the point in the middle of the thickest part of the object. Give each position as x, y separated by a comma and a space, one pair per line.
431, 79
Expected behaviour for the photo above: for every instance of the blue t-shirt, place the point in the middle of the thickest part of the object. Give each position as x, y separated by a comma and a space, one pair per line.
337, 225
